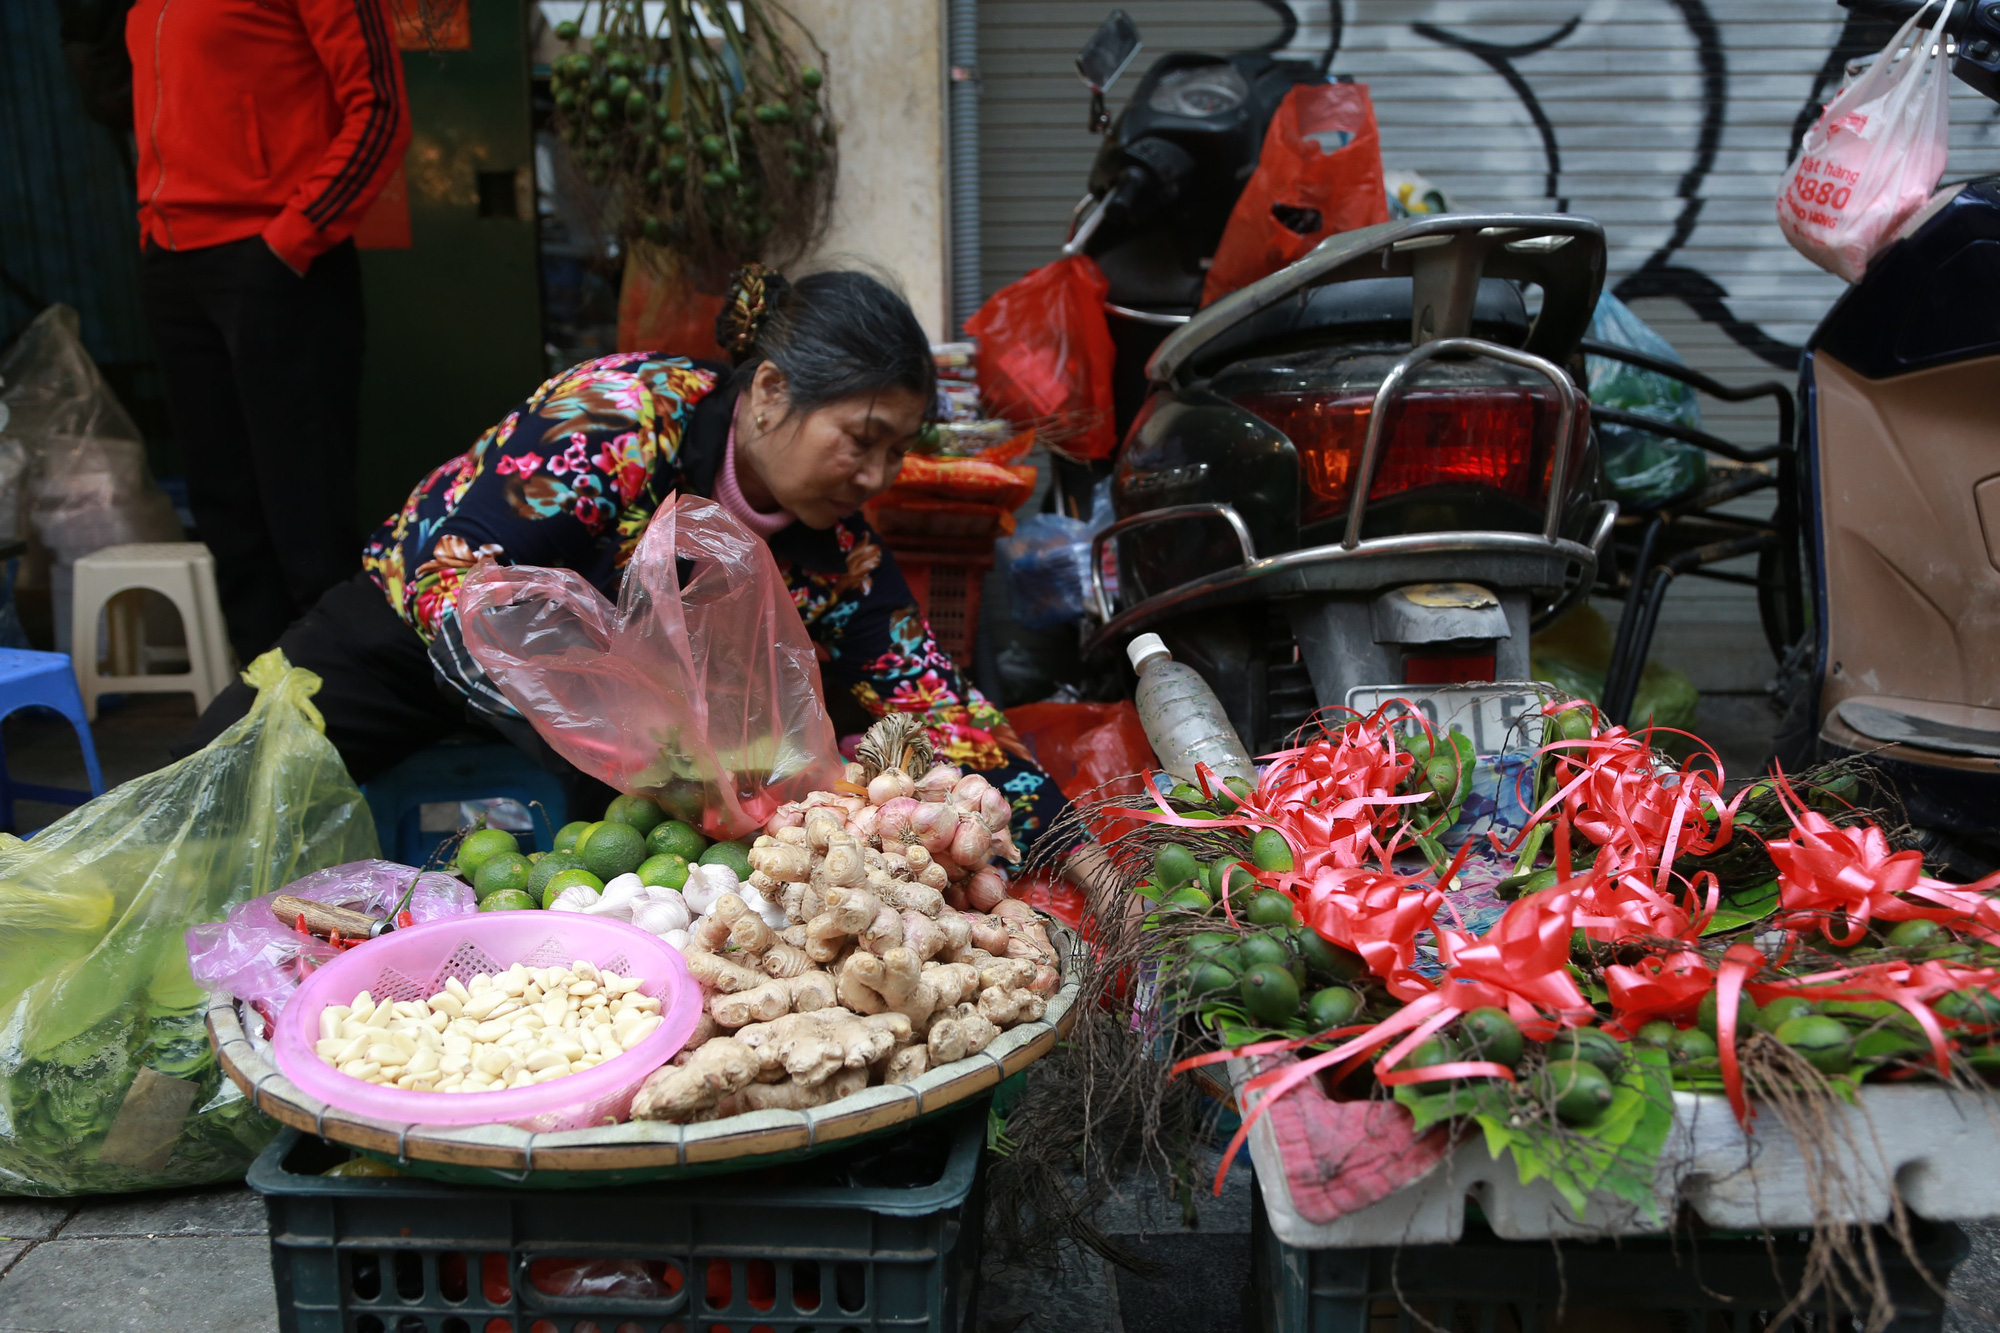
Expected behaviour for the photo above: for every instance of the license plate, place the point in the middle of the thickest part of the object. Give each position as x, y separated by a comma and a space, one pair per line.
1503, 721
1498, 719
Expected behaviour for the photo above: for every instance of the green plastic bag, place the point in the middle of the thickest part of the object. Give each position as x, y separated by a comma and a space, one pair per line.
107, 1079
1644, 469
1573, 655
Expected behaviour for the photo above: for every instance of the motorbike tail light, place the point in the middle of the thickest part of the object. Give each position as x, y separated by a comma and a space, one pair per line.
1498, 438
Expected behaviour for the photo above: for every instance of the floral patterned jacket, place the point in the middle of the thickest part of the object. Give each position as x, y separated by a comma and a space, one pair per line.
571, 478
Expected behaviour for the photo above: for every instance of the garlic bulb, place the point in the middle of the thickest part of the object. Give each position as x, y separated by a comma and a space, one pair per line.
677, 938
657, 917
575, 898
619, 898
705, 884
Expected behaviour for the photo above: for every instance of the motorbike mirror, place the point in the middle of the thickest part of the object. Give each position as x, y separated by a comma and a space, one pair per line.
1107, 53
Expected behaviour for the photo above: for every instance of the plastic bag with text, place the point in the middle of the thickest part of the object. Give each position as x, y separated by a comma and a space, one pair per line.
107, 1079
261, 960
1320, 174
1874, 155
1045, 356
699, 688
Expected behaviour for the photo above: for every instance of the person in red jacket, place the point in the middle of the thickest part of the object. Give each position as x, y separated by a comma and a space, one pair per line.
265, 130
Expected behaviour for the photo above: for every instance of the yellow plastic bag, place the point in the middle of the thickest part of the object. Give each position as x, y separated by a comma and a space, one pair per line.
107, 1079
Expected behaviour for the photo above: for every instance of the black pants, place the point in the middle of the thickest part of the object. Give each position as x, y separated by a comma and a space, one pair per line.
263, 380
378, 695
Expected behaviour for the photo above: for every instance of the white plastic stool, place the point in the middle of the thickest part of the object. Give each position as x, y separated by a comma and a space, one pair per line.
183, 573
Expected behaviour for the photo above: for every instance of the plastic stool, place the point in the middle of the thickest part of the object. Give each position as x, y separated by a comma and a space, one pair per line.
455, 771
43, 680
183, 573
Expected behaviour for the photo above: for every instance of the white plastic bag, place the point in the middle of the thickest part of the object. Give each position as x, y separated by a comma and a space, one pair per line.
1874, 156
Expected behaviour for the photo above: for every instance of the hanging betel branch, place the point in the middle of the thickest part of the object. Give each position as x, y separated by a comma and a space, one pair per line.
705, 131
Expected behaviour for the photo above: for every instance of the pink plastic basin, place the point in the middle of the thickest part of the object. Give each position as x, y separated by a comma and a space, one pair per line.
414, 964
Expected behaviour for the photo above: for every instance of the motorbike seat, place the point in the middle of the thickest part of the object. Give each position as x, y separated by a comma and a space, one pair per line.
1367, 308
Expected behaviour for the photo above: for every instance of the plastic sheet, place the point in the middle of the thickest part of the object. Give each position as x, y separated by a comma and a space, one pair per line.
1320, 174
88, 485
107, 1079
699, 688
1644, 469
253, 956
1045, 356
1574, 653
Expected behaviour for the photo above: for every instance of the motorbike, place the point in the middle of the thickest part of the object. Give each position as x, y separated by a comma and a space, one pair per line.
1372, 467
1900, 482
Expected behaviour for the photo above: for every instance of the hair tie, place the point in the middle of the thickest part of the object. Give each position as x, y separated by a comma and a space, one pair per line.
755, 293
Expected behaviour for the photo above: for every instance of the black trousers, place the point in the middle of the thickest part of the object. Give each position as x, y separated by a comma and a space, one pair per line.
378, 694
263, 381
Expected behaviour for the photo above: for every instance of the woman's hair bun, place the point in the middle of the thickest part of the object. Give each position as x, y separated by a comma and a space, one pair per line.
756, 292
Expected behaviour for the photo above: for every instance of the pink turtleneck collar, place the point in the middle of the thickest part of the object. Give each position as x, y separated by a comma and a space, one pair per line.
730, 496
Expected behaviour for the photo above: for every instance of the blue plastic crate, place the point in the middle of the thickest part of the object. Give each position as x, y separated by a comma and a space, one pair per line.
456, 772
882, 1236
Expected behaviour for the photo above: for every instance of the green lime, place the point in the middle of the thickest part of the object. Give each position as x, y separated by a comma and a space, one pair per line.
1690, 1045
1208, 978
1326, 958
1263, 950
1659, 1033
1187, 794
641, 812
1781, 1011
665, 870
1492, 1034
1746, 1013
567, 835
1888, 1041
1429, 1052
1578, 1088
584, 835
1227, 874
508, 900
1443, 775
1914, 934
1270, 851
612, 849
509, 870
1976, 1008
1418, 745
1594, 1045
1174, 865
1234, 791
674, 838
1269, 993
1334, 1007
1187, 898
1571, 724
732, 854
568, 879
1821, 1040
481, 847
1271, 908
549, 867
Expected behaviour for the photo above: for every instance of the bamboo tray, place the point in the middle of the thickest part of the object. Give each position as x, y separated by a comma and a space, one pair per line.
642, 1150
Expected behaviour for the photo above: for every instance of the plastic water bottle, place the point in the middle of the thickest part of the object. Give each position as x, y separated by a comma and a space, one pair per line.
1183, 718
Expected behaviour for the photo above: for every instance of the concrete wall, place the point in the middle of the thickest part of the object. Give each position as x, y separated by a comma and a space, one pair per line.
886, 78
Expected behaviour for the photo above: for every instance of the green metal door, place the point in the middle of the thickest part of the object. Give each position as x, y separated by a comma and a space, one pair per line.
454, 322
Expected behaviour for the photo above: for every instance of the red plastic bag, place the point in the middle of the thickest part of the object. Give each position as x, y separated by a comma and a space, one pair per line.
1087, 749
699, 688
1045, 356
1003, 485
1320, 173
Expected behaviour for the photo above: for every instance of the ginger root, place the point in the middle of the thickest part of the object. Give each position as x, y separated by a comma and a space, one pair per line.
678, 1092
962, 1031
812, 1047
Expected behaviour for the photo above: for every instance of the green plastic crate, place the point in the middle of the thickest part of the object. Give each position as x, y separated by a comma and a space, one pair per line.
1486, 1285
878, 1237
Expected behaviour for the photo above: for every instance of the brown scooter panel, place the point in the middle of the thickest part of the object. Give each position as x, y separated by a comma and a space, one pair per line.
1913, 591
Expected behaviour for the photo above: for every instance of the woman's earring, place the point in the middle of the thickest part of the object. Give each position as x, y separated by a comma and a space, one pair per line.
760, 421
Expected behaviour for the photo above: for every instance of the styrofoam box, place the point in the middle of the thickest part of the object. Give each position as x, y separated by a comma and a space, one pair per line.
1938, 1147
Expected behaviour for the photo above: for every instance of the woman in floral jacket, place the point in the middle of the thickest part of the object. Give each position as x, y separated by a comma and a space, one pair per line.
832, 381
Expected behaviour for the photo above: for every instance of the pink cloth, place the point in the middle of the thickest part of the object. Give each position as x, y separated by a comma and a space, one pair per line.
730, 496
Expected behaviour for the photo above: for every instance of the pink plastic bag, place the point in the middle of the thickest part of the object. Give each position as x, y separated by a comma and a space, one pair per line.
251, 955
1874, 156
699, 688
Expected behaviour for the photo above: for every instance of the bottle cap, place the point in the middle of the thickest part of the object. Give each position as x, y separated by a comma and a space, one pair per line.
1144, 649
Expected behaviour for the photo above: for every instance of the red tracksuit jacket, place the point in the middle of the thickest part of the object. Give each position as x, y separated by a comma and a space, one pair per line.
279, 118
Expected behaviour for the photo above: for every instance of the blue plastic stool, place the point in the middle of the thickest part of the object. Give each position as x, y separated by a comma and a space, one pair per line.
43, 680
456, 771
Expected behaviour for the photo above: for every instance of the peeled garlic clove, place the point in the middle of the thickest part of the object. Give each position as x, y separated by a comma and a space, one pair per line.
575, 898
